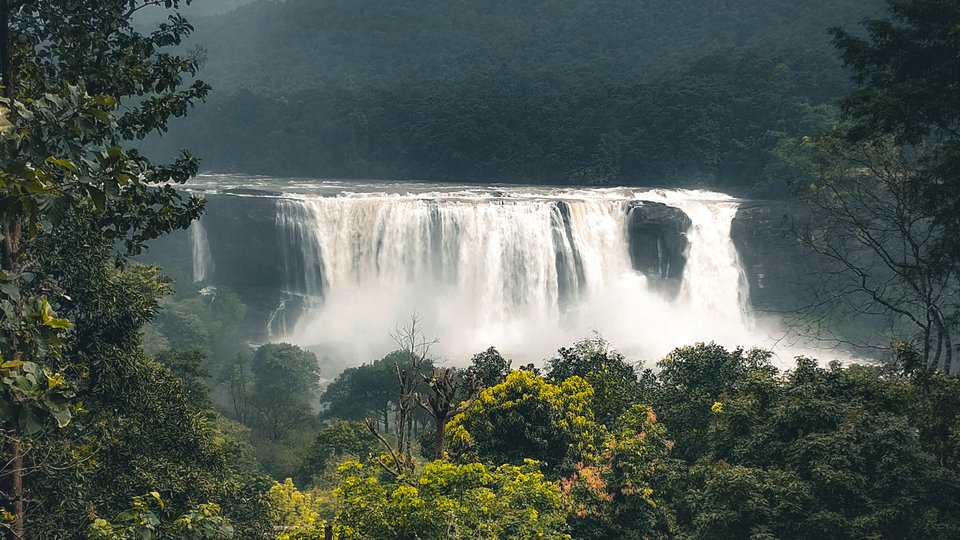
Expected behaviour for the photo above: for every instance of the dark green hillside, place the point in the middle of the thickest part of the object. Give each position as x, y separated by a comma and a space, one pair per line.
678, 93
296, 44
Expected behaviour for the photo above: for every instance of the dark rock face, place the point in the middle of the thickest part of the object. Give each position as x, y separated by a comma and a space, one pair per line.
569, 283
244, 245
775, 262
658, 241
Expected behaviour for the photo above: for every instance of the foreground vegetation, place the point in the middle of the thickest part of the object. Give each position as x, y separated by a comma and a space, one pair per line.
710, 443
717, 444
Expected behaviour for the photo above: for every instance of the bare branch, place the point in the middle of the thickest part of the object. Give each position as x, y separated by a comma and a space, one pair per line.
372, 428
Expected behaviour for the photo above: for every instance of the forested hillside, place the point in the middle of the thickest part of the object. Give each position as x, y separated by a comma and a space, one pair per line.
306, 44
679, 93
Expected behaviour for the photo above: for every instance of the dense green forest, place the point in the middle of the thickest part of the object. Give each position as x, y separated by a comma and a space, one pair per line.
132, 407
682, 93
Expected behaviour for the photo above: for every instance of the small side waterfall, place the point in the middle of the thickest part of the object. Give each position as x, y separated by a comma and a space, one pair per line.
200, 249
524, 270
277, 323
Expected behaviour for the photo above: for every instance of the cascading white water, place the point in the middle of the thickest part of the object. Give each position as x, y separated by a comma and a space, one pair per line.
713, 279
524, 271
200, 250
511, 256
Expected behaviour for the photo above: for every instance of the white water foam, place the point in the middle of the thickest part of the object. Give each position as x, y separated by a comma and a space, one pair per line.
525, 271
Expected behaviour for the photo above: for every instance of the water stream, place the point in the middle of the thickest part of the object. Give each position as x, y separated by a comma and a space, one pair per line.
525, 270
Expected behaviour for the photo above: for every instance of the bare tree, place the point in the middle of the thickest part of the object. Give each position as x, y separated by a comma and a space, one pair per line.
446, 387
412, 342
881, 250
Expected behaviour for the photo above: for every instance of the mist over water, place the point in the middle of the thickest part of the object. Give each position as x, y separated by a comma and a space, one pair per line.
524, 270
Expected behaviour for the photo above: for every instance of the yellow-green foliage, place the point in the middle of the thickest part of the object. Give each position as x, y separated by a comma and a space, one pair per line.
448, 501
203, 522
295, 513
527, 417
617, 493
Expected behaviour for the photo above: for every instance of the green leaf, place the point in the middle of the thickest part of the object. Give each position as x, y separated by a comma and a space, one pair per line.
98, 197
103, 116
10, 290
5, 125
29, 423
65, 163
60, 324
54, 380
62, 416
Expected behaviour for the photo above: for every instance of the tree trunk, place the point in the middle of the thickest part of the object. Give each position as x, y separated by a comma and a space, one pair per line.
16, 529
934, 362
13, 488
407, 378
11, 229
943, 340
11, 247
948, 358
439, 439
6, 60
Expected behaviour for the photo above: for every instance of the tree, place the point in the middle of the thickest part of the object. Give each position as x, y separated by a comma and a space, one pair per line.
827, 452
449, 500
525, 417
185, 366
622, 495
614, 381
694, 378
78, 81
295, 513
286, 379
210, 320
885, 190
143, 430
332, 443
451, 392
414, 348
238, 378
360, 391
183, 331
907, 67
490, 367
202, 523
879, 245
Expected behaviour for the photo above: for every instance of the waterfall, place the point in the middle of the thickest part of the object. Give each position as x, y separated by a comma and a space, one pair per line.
277, 322
714, 281
200, 249
527, 271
